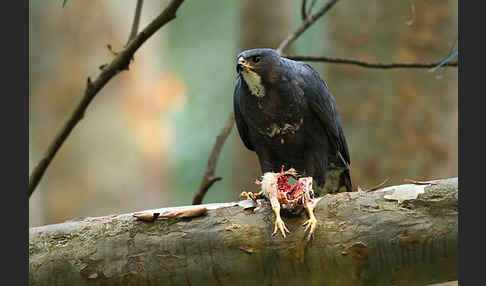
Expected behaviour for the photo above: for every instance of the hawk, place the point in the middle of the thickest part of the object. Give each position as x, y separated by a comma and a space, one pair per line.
285, 113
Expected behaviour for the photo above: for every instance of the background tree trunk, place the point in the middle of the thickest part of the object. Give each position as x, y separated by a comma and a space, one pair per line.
361, 239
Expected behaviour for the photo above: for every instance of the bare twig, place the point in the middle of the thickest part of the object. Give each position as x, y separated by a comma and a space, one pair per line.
306, 24
433, 182
309, 21
311, 6
113, 52
209, 179
377, 186
136, 21
367, 64
303, 10
445, 61
412, 12
119, 63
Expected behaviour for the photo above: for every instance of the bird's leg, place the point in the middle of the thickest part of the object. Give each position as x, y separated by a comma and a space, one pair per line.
279, 224
311, 223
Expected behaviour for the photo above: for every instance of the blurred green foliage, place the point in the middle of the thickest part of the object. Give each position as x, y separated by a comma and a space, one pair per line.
202, 51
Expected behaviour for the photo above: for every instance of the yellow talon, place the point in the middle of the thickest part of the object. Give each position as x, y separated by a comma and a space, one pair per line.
311, 223
280, 225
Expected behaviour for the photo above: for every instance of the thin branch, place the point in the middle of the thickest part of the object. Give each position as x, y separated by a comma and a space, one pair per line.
311, 6
306, 24
136, 21
367, 64
446, 60
432, 182
303, 11
377, 186
412, 12
209, 179
119, 63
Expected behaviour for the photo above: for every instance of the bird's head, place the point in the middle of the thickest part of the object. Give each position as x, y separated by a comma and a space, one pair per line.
260, 61
258, 65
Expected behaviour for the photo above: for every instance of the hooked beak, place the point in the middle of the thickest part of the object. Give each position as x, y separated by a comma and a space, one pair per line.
242, 65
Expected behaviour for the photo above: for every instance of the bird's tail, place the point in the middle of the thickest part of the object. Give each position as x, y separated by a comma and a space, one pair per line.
345, 180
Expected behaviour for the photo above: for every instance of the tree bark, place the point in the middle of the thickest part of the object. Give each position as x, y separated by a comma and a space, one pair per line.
362, 238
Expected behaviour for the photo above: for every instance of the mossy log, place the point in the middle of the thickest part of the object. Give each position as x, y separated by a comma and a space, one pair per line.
362, 238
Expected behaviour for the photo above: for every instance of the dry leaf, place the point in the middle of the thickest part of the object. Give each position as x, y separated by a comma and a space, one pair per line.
146, 216
192, 212
434, 182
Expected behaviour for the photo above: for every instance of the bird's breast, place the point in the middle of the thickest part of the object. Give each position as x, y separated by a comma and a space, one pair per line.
273, 129
279, 113
277, 117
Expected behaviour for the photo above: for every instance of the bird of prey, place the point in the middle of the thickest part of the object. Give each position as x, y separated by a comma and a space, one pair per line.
286, 114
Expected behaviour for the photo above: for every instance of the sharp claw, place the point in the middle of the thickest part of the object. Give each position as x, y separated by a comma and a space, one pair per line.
307, 224
283, 230
309, 236
310, 225
280, 225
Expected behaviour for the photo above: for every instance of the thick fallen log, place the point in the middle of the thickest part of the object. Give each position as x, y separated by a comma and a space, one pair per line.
386, 237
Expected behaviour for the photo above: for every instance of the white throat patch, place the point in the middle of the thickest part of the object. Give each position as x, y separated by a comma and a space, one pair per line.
254, 82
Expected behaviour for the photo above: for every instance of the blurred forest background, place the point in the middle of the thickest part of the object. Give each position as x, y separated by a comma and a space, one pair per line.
146, 137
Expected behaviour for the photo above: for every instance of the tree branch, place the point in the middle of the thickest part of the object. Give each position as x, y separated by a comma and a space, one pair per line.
136, 21
367, 64
303, 10
305, 25
362, 238
309, 21
209, 179
412, 12
119, 63
311, 6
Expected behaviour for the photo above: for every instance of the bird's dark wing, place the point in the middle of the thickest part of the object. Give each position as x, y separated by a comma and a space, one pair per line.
323, 105
240, 121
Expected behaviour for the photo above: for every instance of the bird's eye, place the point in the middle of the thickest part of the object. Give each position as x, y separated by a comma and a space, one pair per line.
256, 59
